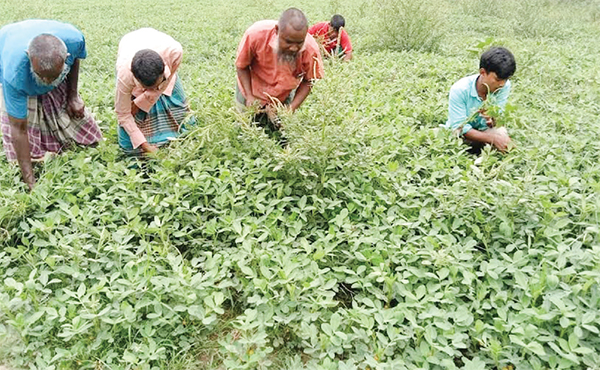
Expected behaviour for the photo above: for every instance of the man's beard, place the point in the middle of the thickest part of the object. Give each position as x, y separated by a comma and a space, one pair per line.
284, 58
56, 82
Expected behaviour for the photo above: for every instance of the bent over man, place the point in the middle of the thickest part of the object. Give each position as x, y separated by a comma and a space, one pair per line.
40, 109
150, 103
277, 62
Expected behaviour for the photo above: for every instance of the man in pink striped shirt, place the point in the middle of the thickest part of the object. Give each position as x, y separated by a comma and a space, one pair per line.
150, 102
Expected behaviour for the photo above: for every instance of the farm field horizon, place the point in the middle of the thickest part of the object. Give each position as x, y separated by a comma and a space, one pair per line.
372, 241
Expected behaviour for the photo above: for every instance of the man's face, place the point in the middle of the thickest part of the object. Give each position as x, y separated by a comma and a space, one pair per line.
332, 33
51, 77
157, 83
290, 40
492, 80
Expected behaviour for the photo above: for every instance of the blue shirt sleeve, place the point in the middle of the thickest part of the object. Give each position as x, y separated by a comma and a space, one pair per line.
81, 52
458, 111
76, 48
14, 101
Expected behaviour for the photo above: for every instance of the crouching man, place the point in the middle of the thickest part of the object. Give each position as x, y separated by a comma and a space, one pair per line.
475, 100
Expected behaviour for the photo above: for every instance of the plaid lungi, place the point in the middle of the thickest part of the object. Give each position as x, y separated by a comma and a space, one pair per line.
167, 119
49, 127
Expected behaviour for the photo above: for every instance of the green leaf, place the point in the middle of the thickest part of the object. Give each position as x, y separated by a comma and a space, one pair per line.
81, 290
536, 348
573, 341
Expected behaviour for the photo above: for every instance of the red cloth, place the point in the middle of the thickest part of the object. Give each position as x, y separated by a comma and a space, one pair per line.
320, 32
258, 50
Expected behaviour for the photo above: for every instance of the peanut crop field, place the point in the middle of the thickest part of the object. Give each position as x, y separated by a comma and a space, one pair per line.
372, 241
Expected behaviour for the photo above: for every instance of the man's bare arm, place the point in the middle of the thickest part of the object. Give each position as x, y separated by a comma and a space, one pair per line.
20, 141
75, 106
246, 81
301, 94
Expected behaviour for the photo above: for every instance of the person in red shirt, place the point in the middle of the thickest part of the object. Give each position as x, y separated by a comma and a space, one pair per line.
332, 36
277, 62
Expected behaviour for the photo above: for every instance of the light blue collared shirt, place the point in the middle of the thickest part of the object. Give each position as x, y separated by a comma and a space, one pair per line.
464, 101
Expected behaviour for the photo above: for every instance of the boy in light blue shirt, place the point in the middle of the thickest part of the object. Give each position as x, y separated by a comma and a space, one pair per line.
466, 112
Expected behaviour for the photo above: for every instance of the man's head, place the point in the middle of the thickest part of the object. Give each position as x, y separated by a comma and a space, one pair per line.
47, 55
337, 22
148, 68
496, 66
291, 31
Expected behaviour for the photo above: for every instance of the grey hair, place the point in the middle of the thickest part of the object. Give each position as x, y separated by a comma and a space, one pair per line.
48, 50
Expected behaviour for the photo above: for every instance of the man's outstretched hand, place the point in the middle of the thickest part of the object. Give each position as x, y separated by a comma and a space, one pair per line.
75, 107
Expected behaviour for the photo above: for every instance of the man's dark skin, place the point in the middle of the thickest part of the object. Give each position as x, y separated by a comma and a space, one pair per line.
290, 41
75, 109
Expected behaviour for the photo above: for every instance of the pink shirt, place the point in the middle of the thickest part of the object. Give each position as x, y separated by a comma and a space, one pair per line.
270, 78
128, 86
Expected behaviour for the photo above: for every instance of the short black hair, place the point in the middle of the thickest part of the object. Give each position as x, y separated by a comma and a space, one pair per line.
337, 21
147, 66
499, 60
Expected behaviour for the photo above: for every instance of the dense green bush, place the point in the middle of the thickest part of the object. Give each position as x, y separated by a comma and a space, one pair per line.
407, 25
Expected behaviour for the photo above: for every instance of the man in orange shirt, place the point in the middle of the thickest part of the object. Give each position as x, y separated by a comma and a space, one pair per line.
332, 37
277, 62
150, 102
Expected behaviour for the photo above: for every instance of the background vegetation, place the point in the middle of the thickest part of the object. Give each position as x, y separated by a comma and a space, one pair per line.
372, 242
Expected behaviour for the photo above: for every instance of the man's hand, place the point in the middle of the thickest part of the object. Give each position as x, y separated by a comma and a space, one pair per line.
252, 101
301, 93
149, 148
271, 112
245, 84
134, 109
20, 142
501, 140
75, 107
28, 177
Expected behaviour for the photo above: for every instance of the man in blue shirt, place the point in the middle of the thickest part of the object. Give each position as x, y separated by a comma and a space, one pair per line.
472, 98
40, 109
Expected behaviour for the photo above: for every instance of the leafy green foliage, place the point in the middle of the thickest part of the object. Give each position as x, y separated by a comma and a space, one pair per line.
373, 241
407, 25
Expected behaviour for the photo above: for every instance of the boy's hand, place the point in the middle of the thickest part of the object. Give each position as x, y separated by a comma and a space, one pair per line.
501, 140
490, 121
